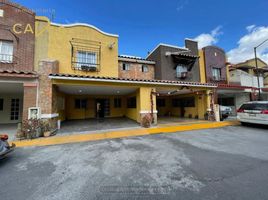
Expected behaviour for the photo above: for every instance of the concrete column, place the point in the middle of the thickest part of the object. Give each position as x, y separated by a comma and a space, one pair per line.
202, 104
147, 103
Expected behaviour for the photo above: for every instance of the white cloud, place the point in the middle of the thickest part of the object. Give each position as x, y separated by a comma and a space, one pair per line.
250, 28
246, 44
181, 5
206, 39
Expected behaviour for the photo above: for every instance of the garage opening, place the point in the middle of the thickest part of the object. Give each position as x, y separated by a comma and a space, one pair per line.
91, 108
179, 106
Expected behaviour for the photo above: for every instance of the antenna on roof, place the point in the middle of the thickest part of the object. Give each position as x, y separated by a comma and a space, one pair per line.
52, 17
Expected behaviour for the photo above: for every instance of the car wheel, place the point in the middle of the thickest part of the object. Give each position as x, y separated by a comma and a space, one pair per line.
243, 123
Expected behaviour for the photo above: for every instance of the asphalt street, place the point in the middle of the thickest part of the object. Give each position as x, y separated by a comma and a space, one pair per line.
226, 163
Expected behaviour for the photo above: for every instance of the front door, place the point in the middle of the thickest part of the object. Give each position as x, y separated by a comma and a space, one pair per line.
102, 108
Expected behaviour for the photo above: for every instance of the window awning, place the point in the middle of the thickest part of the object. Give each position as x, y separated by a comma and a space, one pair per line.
184, 59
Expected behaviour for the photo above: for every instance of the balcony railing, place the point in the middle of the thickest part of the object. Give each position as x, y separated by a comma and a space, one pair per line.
86, 67
7, 59
86, 55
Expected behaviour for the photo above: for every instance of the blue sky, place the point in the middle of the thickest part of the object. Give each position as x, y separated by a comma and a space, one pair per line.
141, 24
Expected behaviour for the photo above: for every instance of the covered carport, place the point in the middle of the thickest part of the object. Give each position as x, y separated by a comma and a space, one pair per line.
18, 93
234, 96
124, 102
96, 107
183, 104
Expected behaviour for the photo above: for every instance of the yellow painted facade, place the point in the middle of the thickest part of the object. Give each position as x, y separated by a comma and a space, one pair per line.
55, 42
198, 111
202, 67
252, 63
144, 101
90, 110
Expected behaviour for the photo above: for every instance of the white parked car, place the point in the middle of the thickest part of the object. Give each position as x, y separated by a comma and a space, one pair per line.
255, 112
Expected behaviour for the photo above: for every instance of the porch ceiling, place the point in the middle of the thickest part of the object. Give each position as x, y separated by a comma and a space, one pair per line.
228, 91
168, 91
95, 90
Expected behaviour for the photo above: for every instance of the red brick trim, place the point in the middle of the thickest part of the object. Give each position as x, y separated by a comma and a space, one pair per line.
30, 84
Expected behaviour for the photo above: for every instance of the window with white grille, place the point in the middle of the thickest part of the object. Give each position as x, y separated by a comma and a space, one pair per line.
181, 71
86, 59
6, 51
216, 73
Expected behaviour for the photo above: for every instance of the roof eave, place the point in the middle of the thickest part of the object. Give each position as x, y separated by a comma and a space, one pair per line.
134, 81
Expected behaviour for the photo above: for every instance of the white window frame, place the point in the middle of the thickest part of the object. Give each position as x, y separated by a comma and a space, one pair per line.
1, 13
34, 113
86, 58
216, 73
144, 68
180, 69
127, 66
6, 51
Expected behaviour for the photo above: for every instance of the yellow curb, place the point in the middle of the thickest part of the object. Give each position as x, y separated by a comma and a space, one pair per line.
119, 134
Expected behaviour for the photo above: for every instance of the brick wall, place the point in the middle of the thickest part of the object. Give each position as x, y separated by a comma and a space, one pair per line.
47, 91
135, 70
23, 42
215, 57
29, 98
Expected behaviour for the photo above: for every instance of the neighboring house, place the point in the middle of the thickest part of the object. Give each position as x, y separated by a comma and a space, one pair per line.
249, 66
234, 87
213, 65
82, 77
242, 78
18, 81
176, 63
135, 67
173, 63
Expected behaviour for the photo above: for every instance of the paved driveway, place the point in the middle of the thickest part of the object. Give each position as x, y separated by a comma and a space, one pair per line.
226, 163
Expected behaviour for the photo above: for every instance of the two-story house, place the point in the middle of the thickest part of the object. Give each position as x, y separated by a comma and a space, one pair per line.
18, 81
173, 63
258, 76
231, 91
82, 77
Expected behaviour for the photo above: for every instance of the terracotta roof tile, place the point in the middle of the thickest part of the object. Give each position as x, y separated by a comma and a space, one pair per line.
229, 86
18, 73
133, 80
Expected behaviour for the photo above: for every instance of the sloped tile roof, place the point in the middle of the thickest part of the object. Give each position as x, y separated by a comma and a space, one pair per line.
148, 81
18, 73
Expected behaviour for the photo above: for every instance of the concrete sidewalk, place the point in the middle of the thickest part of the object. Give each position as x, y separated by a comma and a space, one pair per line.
120, 134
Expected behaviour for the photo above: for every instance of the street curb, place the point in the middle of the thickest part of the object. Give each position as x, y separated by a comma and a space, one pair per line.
76, 138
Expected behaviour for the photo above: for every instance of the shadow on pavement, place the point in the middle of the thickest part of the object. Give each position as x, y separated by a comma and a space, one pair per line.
259, 126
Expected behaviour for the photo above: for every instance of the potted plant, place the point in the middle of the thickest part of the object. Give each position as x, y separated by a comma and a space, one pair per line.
146, 121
